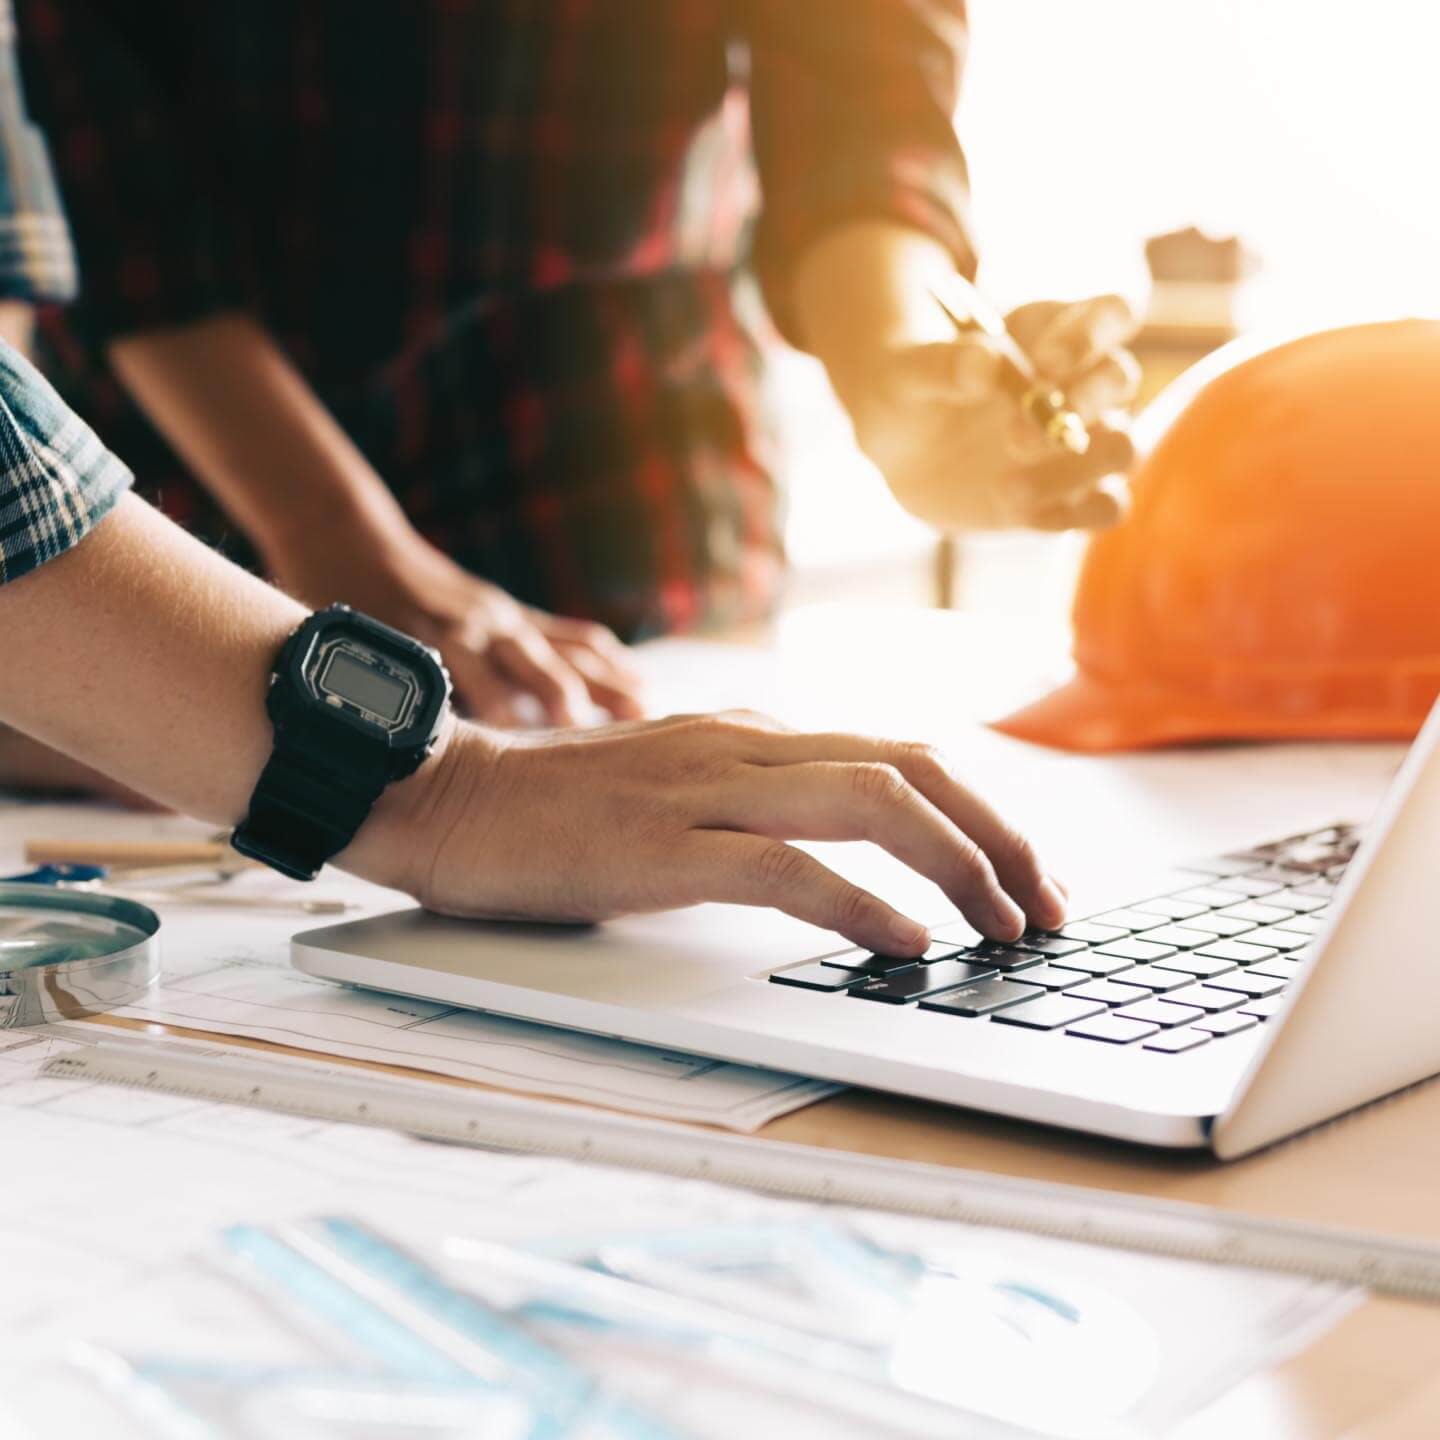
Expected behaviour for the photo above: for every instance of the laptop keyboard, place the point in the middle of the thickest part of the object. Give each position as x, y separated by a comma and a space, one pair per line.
1169, 974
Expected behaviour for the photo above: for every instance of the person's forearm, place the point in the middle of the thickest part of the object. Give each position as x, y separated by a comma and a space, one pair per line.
146, 655
235, 409
866, 287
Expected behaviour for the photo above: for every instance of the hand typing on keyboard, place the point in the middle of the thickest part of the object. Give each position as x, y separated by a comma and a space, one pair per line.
635, 817
1169, 973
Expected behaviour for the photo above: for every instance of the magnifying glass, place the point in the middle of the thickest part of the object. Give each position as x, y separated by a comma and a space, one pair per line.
65, 954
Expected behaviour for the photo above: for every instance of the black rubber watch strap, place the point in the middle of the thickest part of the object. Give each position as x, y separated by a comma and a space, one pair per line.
303, 813
333, 755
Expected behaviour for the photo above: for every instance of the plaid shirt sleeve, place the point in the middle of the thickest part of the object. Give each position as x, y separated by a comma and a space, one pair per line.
142, 185
36, 259
853, 105
57, 481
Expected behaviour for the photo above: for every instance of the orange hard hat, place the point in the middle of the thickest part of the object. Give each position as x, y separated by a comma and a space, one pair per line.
1279, 573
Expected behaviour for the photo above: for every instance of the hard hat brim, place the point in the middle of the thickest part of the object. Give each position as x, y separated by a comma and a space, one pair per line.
1092, 717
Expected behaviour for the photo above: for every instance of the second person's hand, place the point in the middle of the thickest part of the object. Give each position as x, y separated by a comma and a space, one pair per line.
584, 826
511, 663
954, 447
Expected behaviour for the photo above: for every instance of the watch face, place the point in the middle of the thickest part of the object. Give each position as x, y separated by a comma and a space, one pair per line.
342, 671
358, 679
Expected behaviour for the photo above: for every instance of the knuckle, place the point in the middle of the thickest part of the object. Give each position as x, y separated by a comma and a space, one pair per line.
879, 785
853, 908
972, 859
918, 759
714, 726
1012, 850
599, 636
695, 743
745, 720
779, 867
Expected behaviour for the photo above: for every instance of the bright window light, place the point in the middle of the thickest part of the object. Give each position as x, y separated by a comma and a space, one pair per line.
1307, 128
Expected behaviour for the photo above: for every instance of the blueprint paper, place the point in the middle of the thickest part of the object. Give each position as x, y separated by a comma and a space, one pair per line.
227, 972
107, 1187
245, 987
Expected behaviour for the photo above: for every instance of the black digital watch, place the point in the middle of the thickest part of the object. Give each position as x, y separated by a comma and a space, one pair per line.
355, 705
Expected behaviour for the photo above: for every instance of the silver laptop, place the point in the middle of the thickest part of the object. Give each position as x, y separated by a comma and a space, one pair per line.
1226, 1004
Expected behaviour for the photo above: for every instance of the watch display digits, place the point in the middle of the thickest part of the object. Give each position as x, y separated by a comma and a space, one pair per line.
355, 677
355, 706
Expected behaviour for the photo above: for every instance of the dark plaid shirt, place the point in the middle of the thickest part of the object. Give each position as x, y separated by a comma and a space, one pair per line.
502, 239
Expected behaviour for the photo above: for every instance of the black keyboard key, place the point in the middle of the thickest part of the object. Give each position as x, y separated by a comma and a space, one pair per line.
1251, 886
1091, 933
1170, 907
1265, 1009
819, 976
1209, 998
956, 934
941, 950
1276, 939
1247, 983
1152, 979
1176, 1042
907, 985
1200, 967
1113, 1030
1227, 1024
1092, 962
870, 964
1243, 951
1127, 920
1138, 951
1182, 937
1106, 992
995, 956
1052, 1012
1257, 913
1052, 977
1053, 946
1221, 925
1156, 1012
985, 997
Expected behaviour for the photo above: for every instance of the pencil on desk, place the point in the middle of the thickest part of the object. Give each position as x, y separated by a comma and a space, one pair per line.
124, 854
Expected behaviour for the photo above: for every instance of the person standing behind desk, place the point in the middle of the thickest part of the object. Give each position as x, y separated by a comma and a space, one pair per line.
499, 245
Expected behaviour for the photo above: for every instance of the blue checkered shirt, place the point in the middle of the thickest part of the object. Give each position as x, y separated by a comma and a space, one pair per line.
56, 478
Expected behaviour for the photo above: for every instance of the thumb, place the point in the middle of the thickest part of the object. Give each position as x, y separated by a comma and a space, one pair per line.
963, 371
